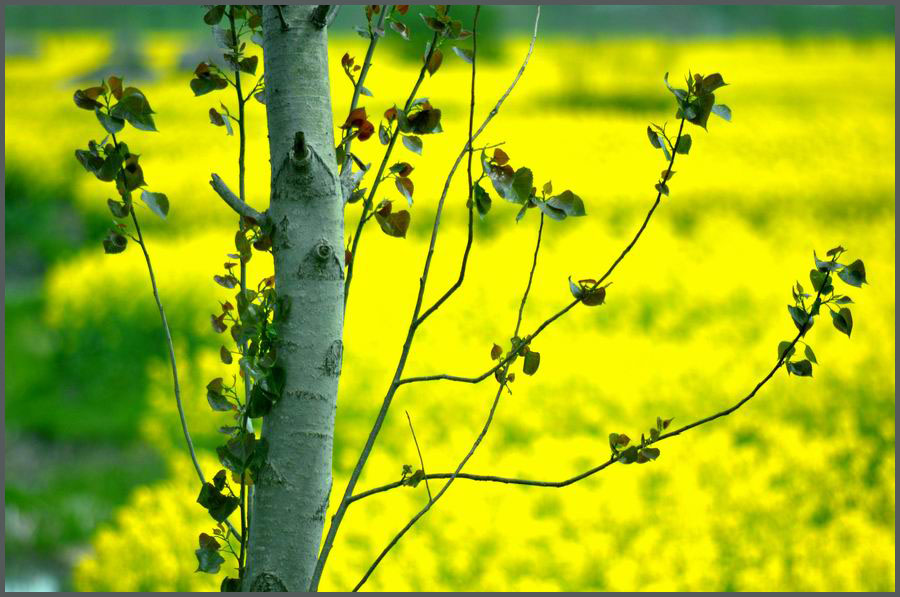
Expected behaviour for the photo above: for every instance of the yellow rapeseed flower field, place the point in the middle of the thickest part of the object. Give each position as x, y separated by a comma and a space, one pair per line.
793, 492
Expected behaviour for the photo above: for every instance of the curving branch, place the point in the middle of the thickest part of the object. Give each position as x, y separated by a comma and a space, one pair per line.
172, 362
477, 442
233, 201
357, 89
470, 204
612, 460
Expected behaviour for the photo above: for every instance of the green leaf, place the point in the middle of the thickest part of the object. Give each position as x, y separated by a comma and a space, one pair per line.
808, 351
801, 318
214, 14
216, 503
434, 61
412, 142
217, 401
90, 160
575, 289
550, 211
613, 440
722, 111
400, 28
826, 266
134, 108
702, 108
532, 362
662, 187
654, 138
522, 183
835, 251
405, 186
650, 453
800, 368
683, 146
679, 94
465, 54
157, 202
112, 124
230, 585
568, 202
854, 274
482, 201
219, 480
206, 84
843, 320
665, 147
843, 300
260, 402
785, 350
821, 281
628, 455
114, 242
118, 208
712, 82
394, 224
249, 64
208, 558
84, 100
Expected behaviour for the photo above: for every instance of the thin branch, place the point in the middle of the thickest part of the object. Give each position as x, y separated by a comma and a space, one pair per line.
357, 89
470, 204
613, 459
537, 249
242, 143
171, 348
233, 201
484, 429
421, 460
443, 490
367, 204
564, 310
395, 383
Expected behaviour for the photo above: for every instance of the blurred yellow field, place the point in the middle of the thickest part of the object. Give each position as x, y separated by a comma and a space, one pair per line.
793, 492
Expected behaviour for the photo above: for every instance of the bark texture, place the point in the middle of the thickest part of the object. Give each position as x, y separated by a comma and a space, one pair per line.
306, 208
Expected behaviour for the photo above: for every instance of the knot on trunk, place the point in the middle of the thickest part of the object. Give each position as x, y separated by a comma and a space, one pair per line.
321, 263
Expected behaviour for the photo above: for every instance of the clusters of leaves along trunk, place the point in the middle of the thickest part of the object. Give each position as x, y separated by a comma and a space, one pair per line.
252, 321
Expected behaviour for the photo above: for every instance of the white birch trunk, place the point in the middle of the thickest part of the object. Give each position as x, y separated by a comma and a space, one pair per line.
306, 207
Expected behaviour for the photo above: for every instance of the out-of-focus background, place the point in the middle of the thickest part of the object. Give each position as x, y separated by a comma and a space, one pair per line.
794, 492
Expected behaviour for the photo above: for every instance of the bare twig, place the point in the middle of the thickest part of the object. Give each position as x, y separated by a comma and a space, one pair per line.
172, 362
357, 89
395, 383
443, 490
233, 201
484, 429
421, 460
470, 204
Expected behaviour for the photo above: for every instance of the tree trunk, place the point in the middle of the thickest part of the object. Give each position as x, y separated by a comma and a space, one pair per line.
306, 209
